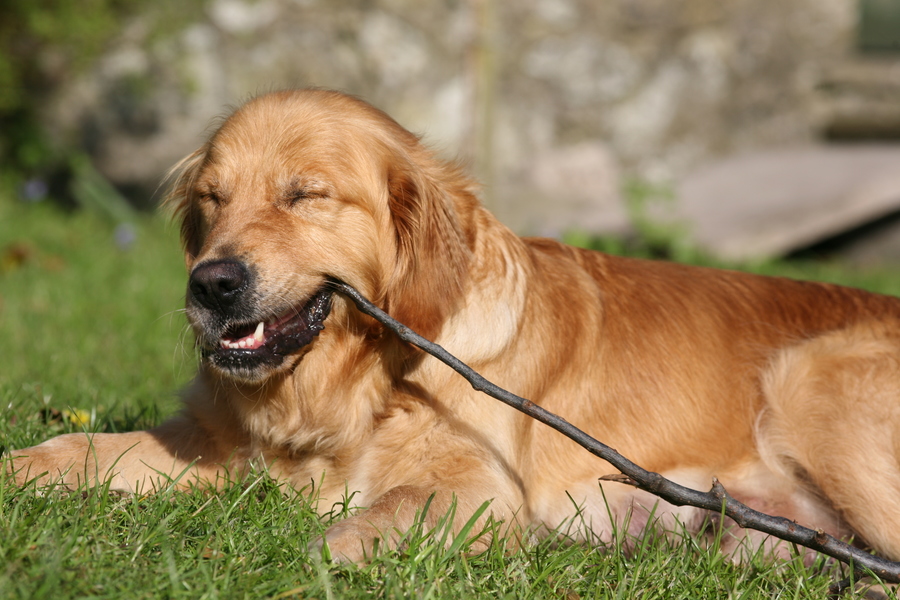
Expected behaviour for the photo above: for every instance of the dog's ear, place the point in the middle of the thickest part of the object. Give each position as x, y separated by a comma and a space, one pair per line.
180, 198
429, 206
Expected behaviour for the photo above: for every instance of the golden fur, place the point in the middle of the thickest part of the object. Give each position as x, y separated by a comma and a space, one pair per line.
788, 392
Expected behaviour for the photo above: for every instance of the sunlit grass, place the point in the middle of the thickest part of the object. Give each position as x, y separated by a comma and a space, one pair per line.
90, 323
95, 340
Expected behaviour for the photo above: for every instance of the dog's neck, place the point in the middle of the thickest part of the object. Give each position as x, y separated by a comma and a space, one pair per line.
305, 409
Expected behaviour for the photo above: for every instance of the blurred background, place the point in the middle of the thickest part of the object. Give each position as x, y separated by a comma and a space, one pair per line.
745, 128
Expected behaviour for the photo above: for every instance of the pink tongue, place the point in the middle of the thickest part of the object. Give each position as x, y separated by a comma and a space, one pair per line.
257, 339
249, 342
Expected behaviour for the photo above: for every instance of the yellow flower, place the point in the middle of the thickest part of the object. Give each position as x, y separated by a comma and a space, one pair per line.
77, 416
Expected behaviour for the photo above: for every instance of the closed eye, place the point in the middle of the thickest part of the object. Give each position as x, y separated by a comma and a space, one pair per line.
212, 197
304, 193
297, 195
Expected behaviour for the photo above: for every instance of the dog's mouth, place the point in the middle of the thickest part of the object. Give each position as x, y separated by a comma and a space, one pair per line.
245, 347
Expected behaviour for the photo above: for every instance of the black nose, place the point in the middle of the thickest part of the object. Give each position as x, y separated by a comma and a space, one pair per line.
218, 284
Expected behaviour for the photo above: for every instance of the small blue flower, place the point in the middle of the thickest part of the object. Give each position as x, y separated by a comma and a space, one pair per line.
125, 236
33, 190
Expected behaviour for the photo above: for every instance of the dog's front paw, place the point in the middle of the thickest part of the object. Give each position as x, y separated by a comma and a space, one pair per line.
384, 524
349, 541
353, 540
48, 463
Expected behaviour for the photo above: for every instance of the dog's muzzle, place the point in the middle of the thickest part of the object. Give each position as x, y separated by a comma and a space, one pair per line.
239, 332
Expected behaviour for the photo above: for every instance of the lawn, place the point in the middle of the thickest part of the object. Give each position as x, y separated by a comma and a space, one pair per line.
96, 341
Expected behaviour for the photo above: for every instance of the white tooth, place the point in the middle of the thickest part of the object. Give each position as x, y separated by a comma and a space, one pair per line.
258, 334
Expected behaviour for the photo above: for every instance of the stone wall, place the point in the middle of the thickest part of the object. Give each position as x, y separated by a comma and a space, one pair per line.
551, 102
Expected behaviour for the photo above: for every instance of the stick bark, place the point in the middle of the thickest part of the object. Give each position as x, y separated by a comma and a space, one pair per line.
716, 500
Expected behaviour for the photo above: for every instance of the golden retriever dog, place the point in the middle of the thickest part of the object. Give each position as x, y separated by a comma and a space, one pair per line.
788, 392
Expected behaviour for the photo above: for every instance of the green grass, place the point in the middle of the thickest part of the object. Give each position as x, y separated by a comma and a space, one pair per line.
96, 329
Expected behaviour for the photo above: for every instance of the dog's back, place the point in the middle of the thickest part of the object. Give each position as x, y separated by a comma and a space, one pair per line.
784, 390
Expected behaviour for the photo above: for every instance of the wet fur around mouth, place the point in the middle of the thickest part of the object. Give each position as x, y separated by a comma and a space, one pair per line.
281, 336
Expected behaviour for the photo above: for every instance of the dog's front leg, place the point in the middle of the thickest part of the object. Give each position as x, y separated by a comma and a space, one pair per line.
175, 453
385, 524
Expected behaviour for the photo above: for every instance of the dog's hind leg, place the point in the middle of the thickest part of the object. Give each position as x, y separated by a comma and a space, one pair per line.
832, 422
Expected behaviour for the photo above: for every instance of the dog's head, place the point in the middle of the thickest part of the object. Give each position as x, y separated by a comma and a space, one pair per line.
295, 189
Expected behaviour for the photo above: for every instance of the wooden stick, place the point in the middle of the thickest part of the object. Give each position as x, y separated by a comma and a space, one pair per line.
716, 500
